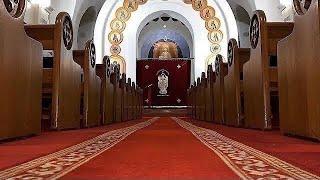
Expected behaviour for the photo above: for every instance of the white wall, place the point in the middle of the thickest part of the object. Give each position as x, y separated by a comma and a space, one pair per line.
191, 18
176, 26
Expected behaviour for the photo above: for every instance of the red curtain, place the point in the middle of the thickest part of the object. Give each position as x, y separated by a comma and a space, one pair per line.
178, 72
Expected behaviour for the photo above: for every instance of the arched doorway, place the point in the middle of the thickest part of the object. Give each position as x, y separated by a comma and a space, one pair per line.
86, 27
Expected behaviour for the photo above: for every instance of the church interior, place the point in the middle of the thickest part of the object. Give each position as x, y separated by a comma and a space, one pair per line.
160, 89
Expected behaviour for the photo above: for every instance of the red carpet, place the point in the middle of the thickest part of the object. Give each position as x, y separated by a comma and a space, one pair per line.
301, 153
160, 148
21, 151
161, 151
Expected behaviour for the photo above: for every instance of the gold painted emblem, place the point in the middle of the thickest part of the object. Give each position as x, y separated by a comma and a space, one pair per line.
215, 48
130, 5
213, 24
117, 25
199, 5
215, 36
119, 60
122, 14
115, 37
211, 59
115, 49
208, 13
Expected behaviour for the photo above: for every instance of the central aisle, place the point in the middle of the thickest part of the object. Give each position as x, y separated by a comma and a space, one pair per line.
163, 150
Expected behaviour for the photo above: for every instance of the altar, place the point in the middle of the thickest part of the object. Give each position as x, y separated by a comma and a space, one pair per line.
164, 81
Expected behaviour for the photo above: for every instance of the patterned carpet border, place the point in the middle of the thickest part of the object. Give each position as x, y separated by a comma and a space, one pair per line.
60, 163
246, 162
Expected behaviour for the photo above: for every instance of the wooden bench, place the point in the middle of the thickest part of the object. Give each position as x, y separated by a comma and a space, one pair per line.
234, 101
91, 85
106, 96
209, 94
219, 107
299, 75
197, 94
140, 102
61, 75
125, 98
261, 74
135, 101
20, 75
117, 99
202, 96
130, 99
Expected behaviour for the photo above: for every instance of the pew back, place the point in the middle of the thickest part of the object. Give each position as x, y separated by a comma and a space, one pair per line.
258, 71
20, 76
233, 82
65, 113
299, 74
219, 98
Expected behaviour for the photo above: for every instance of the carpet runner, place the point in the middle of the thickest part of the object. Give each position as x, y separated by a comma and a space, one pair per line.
159, 148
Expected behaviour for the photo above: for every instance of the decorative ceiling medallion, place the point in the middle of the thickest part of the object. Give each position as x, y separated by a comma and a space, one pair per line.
208, 13
67, 33
199, 5
141, 2
115, 38
215, 48
117, 25
254, 31
122, 14
115, 49
14, 7
213, 24
302, 6
130, 5
215, 36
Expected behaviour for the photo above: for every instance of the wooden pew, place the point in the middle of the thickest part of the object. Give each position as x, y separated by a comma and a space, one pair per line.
219, 107
130, 99
260, 72
197, 100
20, 76
117, 99
125, 98
209, 94
106, 98
91, 85
140, 91
135, 106
234, 102
202, 96
299, 74
189, 102
194, 102
61, 75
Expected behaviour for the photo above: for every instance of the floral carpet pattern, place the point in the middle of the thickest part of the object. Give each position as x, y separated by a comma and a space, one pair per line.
246, 162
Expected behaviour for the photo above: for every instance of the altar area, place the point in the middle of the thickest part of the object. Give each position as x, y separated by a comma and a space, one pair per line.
164, 81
